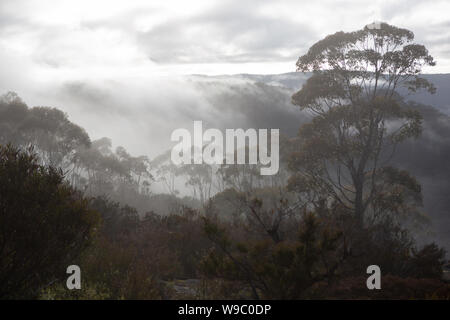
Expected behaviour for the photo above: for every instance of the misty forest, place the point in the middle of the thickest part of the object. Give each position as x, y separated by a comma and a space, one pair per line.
363, 180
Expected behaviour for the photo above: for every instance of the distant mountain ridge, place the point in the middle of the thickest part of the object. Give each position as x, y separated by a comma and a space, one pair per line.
294, 80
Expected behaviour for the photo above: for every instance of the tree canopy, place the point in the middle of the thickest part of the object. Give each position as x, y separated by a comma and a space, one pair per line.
359, 117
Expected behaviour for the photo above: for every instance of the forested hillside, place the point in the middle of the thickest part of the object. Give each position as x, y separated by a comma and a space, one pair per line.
363, 180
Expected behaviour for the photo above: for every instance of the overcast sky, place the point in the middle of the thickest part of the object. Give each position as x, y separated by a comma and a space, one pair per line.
114, 65
126, 37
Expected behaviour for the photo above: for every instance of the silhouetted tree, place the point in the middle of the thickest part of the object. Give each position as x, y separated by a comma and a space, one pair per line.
359, 118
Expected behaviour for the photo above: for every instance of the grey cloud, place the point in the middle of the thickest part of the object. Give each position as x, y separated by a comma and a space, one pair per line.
257, 38
143, 120
399, 7
97, 100
210, 35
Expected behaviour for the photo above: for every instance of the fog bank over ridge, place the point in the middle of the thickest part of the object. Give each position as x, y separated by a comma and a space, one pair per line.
140, 113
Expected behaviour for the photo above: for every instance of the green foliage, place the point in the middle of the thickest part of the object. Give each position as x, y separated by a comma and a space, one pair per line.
136, 258
46, 224
88, 292
427, 262
275, 270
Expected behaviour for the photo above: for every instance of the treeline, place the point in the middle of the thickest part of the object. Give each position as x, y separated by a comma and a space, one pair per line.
287, 253
61, 143
90, 166
96, 169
